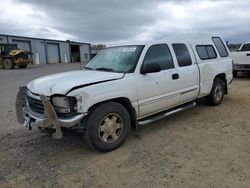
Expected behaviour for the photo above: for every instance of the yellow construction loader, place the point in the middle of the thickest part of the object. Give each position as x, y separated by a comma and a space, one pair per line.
10, 56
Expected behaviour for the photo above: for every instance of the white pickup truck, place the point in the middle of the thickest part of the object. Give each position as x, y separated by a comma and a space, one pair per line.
127, 86
241, 59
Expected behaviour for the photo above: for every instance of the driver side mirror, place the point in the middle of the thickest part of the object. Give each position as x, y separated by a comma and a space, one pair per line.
150, 68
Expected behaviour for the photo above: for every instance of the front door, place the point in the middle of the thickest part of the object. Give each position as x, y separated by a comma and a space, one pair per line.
157, 91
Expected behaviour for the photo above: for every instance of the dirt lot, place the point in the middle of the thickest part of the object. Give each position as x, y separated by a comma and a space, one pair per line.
202, 147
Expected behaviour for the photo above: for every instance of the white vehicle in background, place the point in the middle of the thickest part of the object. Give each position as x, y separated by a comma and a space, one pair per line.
127, 86
241, 59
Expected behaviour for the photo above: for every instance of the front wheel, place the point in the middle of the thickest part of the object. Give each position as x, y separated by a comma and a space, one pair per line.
107, 127
8, 64
217, 93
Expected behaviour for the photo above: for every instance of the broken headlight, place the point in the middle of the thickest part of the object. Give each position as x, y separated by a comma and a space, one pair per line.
64, 104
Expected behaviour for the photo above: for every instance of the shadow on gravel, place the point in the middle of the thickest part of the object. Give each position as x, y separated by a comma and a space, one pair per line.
243, 76
37, 156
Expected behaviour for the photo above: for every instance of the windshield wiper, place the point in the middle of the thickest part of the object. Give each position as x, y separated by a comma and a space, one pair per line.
88, 68
105, 69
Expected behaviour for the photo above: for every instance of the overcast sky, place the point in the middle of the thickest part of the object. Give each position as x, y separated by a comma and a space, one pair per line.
120, 21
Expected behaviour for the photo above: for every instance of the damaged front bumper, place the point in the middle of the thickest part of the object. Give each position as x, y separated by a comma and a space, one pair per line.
47, 120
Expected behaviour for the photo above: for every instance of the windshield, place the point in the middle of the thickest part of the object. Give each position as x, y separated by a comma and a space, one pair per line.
116, 59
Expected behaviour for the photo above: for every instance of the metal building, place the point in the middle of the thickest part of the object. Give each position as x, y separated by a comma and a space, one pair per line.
47, 51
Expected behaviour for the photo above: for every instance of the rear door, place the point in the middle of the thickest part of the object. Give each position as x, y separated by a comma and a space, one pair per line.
187, 72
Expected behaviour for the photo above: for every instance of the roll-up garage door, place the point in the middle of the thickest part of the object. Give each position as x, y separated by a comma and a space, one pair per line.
53, 53
22, 44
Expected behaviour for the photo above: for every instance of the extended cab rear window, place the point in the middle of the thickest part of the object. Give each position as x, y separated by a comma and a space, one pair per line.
182, 55
206, 52
220, 46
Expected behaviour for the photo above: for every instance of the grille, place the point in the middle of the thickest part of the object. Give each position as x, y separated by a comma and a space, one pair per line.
35, 105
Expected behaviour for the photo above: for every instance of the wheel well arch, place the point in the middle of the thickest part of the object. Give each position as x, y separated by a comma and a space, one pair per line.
127, 104
222, 76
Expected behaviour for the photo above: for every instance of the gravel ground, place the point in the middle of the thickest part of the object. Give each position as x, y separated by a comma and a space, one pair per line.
201, 147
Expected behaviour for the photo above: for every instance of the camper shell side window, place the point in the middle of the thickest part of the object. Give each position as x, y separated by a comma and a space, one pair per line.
221, 48
206, 52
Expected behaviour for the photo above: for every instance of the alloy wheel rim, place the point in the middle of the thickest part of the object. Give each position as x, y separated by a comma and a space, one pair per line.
218, 92
110, 128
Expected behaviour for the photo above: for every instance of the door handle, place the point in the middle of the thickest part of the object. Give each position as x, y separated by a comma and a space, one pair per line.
248, 54
175, 76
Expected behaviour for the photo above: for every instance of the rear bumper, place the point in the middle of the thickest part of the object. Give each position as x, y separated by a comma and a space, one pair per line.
241, 67
47, 120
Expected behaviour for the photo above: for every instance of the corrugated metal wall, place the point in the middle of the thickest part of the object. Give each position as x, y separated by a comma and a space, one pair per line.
85, 53
3, 39
64, 52
22, 44
46, 52
38, 47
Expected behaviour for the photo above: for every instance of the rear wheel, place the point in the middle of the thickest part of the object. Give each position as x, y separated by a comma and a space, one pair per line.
217, 93
22, 66
8, 63
235, 73
107, 127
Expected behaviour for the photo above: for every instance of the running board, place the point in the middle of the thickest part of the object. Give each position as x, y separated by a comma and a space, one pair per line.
167, 113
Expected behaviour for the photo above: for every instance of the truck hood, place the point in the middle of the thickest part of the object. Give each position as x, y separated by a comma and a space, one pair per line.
63, 83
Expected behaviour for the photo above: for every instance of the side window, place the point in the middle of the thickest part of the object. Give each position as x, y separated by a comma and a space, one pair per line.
160, 54
206, 52
220, 46
211, 52
182, 55
245, 47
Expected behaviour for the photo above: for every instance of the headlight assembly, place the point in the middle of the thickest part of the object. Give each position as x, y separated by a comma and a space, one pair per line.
64, 104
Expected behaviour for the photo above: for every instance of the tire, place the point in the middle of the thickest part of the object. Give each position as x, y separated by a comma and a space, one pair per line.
8, 64
107, 127
22, 66
217, 93
235, 73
